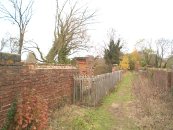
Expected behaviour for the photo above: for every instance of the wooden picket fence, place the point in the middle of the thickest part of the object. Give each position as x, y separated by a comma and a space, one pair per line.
90, 90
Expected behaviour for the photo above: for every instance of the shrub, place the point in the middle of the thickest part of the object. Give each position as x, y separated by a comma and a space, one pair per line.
124, 64
31, 111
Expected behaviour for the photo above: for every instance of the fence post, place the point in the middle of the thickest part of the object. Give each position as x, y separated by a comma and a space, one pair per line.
74, 92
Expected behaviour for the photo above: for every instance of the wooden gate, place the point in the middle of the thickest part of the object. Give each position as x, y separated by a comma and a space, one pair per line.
90, 90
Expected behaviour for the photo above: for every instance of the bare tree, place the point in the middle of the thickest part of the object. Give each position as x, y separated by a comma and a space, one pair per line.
144, 46
70, 34
163, 49
9, 44
18, 12
112, 34
32, 47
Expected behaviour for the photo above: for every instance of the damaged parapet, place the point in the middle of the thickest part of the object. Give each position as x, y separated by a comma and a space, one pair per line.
9, 59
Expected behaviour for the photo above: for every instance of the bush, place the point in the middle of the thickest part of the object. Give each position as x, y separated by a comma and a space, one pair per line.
31, 111
102, 69
124, 64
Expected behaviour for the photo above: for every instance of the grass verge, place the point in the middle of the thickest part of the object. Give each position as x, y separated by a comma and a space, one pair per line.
99, 118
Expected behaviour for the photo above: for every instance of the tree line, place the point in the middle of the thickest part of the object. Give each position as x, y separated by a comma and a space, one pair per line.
143, 55
71, 35
70, 31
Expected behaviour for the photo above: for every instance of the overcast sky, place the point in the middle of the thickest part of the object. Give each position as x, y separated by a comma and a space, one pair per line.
132, 19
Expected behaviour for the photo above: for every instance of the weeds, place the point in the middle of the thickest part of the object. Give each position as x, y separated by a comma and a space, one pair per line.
10, 116
156, 104
31, 111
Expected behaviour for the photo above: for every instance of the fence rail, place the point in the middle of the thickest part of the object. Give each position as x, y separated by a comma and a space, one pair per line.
90, 90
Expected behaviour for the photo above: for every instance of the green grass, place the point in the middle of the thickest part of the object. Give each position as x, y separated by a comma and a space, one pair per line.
93, 119
100, 118
122, 91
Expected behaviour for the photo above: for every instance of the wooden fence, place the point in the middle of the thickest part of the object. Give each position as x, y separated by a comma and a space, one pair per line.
90, 90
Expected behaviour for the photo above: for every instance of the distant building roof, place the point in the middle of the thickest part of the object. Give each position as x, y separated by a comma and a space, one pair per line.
83, 58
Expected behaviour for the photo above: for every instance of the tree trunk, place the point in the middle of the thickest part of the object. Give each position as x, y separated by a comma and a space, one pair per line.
57, 45
156, 62
21, 39
51, 55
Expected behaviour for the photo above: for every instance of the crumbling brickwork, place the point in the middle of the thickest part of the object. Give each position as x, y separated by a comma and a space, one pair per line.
85, 65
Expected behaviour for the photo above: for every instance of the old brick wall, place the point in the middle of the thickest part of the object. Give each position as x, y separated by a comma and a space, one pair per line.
161, 77
54, 83
85, 65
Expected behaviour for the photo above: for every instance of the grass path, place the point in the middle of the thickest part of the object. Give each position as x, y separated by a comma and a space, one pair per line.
115, 112
121, 105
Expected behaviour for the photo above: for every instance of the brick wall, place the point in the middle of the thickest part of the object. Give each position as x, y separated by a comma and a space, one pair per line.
53, 82
161, 77
85, 65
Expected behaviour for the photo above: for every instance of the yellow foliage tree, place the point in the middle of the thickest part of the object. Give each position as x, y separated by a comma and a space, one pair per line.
135, 59
124, 64
135, 56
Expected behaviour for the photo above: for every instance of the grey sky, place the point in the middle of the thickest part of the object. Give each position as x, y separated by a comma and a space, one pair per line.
132, 19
